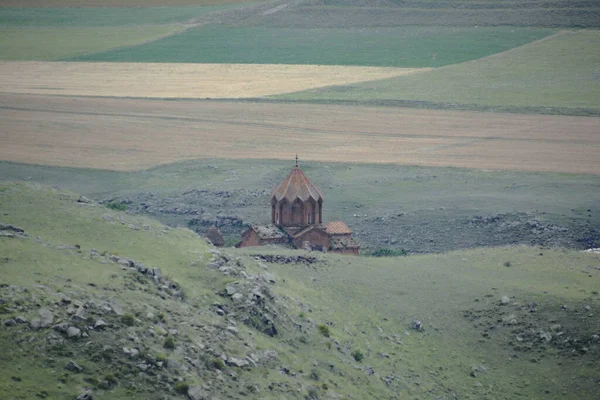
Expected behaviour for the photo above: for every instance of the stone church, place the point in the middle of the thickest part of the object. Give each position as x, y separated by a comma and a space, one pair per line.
297, 220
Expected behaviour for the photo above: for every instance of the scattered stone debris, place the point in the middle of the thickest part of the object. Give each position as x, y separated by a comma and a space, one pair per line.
11, 231
84, 200
279, 259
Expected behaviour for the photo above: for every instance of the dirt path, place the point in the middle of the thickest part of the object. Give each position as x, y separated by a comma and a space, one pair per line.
127, 134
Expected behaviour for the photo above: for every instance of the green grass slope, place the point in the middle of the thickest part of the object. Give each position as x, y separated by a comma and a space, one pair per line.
560, 72
343, 323
390, 47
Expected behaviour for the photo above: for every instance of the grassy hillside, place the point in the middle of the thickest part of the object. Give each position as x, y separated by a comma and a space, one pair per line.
343, 323
558, 72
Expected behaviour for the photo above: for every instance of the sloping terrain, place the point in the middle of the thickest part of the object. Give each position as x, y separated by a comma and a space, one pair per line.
560, 72
411, 209
99, 301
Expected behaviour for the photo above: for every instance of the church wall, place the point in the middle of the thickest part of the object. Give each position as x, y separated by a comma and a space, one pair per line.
353, 252
250, 238
315, 237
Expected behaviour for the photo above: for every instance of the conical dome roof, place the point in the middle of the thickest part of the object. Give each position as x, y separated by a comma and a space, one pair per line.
296, 186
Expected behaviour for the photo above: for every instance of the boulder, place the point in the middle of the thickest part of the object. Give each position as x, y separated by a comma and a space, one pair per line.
10, 322
73, 366
100, 324
79, 314
236, 362
87, 395
62, 327
73, 332
46, 318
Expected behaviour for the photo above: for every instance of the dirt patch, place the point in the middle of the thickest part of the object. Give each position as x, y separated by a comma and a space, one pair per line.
179, 80
127, 134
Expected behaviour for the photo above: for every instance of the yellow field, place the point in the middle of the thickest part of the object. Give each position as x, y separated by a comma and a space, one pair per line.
156, 80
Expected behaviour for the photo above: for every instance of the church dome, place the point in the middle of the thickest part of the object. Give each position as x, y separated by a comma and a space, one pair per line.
296, 186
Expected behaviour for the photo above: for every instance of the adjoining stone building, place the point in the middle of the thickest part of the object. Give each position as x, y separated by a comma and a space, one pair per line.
297, 220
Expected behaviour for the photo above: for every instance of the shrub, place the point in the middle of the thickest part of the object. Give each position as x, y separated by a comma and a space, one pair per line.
357, 355
314, 375
169, 343
325, 386
111, 379
117, 206
301, 315
215, 363
313, 393
128, 319
161, 357
507, 264
384, 252
324, 329
181, 387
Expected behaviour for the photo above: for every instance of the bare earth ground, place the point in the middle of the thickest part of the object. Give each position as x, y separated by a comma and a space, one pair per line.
130, 134
177, 80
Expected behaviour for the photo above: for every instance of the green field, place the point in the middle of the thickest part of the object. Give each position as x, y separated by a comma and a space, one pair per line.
51, 44
391, 47
94, 17
467, 347
559, 72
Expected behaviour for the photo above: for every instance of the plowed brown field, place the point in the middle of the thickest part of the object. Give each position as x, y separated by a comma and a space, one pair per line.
127, 134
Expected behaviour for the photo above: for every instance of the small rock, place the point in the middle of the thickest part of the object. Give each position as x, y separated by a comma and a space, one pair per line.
73, 366
21, 320
73, 332
546, 336
196, 393
10, 322
505, 300
84, 200
62, 327
236, 362
416, 325
237, 297
87, 395
79, 314
587, 308
100, 324
564, 307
